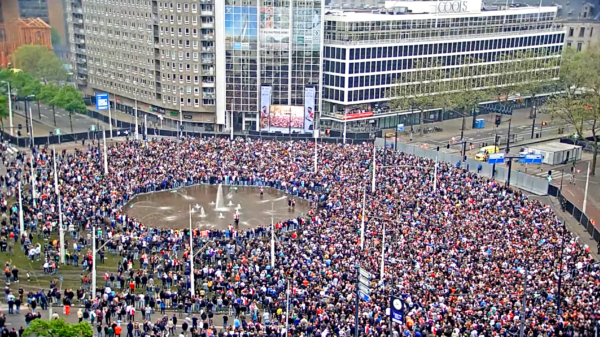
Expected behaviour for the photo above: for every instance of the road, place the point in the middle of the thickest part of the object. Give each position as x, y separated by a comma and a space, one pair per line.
42, 126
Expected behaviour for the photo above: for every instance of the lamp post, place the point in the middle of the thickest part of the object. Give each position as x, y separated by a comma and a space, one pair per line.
105, 152
60, 223
10, 117
94, 253
192, 285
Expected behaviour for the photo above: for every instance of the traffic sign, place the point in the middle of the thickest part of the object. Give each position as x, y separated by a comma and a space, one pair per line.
364, 289
549, 178
400, 127
60, 279
496, 158
365, 273
533, 158
102, 102
364, 280
57, 132
363, 297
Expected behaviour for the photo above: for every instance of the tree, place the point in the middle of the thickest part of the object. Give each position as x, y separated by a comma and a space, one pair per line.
71, 100
467, 87
48, 95
580, 103
4, 112
57, 328
420, 89
40, 62
54, 36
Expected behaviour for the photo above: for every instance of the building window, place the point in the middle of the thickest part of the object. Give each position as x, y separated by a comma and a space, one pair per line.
579, 45
568, 44
582, 32
571, 31
591, 31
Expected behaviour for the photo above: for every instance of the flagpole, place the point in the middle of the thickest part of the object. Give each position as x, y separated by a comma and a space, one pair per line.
374, 169
362, 223
60, 222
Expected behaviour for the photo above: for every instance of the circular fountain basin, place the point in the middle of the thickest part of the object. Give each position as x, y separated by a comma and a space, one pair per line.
213, 207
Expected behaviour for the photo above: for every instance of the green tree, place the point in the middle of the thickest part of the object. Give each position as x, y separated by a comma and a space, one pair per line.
48, 95
71, 100
580, 103
4, 112
54, 36
40, 62
421, 89
57, 328
467, 87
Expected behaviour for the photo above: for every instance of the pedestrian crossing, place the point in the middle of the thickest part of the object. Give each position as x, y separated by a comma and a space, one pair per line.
12, 150
556, 175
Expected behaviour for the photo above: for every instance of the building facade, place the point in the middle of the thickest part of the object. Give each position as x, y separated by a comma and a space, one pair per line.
158, 55
366, 55
21, 32
581, 34
274, 44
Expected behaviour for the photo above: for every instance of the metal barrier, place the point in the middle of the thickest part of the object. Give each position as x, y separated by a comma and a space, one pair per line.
519, 180
575, 212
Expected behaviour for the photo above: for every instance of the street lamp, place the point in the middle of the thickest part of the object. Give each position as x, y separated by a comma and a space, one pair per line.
10, 117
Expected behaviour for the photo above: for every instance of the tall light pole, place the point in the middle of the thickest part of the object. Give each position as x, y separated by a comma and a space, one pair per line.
105, 152
33, 193
94, 253
374, 168
435, 174
136, 118
21, 222
316, 132
31, 126
362, 222
180, 115
287, 308
587, 183
10, 117
110, 114
272, 239
60, 222
382, 253
192, 286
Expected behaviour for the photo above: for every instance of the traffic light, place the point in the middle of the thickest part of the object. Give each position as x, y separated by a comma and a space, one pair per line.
544, 123
20, 127
438, 148
447, 146
498, 120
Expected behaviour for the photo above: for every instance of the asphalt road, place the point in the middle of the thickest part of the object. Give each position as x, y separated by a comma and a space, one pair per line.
81, 123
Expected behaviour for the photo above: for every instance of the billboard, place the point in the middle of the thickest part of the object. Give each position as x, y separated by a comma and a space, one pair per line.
102, 102
309, 109
241, 26
282, 116
307, 28
265, 106
275, 25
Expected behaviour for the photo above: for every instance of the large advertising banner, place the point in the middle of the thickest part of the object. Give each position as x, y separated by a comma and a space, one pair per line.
275, 25
307, 27
309, 109
265, 108
282, 116
241, 27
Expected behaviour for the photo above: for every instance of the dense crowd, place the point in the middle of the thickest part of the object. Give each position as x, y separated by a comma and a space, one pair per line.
457, 254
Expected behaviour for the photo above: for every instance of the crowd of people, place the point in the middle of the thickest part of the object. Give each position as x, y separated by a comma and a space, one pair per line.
468, 256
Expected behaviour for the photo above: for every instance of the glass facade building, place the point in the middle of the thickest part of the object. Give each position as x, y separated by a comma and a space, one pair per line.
367, 55
270, 43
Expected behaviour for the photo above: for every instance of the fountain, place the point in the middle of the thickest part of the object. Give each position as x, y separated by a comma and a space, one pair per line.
230, 203
221, 216
238, 206
219, 200
202, 212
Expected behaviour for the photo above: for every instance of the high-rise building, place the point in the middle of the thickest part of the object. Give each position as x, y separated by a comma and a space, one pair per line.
367, 54
273, 45
209, 59
159, 55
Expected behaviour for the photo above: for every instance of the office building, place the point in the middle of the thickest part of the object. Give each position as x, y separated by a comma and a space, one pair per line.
273, 47
366, 54
159, 55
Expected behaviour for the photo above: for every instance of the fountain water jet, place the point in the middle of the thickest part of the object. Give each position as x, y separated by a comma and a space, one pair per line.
219, 206
202, 212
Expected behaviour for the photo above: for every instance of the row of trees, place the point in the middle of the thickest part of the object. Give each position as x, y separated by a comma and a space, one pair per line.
579, 104
41, 80
461, 83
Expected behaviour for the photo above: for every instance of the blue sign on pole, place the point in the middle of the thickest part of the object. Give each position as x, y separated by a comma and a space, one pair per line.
364, 297
102, 101
400, 127
496, 158
533, 158
397, 310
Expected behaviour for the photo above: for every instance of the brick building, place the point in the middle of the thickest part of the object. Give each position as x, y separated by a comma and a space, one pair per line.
22, 32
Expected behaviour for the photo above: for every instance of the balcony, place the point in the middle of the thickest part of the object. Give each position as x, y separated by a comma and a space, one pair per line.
81, 41
208, 95
208, 60
208, 37
207, 13
208, 72
208, 49
208, 84
79, 21
81, 51
208, 25
82, 81
81, 61
77, 11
